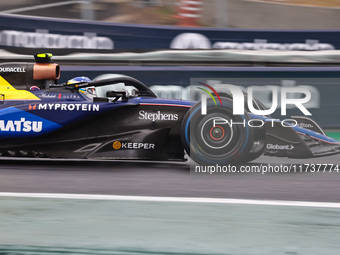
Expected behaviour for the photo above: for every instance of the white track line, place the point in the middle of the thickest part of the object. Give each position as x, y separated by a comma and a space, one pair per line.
173, 199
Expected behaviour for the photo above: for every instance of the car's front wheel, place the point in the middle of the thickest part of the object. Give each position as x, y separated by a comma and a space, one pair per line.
218, 137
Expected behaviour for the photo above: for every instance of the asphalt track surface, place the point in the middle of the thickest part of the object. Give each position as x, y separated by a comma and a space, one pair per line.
169, 180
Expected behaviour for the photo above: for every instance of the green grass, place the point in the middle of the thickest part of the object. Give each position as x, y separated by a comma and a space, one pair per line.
334, 135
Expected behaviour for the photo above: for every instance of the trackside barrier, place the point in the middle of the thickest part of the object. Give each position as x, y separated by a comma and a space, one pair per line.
33, 33
192, 57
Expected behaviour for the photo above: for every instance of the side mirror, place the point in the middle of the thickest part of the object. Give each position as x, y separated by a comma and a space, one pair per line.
118, 94
135, 93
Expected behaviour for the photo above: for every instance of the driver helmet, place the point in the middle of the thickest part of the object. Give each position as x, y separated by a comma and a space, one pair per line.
78, 79
90, 92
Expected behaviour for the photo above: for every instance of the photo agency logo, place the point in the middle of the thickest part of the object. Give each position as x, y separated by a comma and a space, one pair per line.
231, 124
243, 101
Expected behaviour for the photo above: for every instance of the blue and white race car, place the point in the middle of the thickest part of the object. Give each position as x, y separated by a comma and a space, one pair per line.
121, 118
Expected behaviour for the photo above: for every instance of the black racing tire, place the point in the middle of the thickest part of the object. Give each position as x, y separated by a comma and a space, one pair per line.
208, 143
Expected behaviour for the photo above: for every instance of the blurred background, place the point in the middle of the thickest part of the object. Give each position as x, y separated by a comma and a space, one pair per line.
271, 14
170, 45
297, 41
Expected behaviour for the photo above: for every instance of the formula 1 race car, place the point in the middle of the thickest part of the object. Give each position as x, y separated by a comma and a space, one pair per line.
121, 118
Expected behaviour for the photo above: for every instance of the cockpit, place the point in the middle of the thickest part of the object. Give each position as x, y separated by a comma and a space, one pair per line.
19, 81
